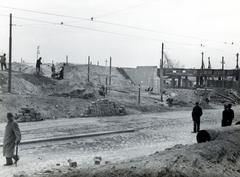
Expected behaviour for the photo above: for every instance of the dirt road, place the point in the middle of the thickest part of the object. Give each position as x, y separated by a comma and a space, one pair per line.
154, 132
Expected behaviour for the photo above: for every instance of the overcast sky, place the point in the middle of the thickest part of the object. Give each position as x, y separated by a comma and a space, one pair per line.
183, 25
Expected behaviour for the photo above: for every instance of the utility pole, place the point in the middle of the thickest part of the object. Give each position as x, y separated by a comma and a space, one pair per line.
106, 85
21, 64
202, 66
223, 62
88, 78
66, 59
139, 94
237, 66
10, 56
38, 51
209, 63
110, 71
106, 61
161, 73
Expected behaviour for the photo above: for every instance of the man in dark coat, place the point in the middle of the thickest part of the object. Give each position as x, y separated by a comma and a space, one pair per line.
38, 65
12, 137
196, 114
230, 114
225, 121
3, 62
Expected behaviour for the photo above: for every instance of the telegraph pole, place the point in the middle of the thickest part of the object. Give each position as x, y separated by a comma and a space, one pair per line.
110, 71
139, 93
203, 66
223, 62
10, 56
38, 51
66, 59
209, 63
161, 73
88, 78
237, 66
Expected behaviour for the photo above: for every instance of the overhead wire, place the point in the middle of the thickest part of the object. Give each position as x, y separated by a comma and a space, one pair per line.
116, 24
102, 31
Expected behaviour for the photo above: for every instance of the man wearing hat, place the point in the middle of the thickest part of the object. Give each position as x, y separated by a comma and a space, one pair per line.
12, 137
196, 114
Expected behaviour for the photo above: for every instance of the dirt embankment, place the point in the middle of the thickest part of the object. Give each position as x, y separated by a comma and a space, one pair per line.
71, 96
219, 158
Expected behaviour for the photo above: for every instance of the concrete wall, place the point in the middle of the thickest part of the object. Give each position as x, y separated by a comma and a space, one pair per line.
146, 75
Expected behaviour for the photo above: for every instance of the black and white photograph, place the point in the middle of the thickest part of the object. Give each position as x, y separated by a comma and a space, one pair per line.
119, 88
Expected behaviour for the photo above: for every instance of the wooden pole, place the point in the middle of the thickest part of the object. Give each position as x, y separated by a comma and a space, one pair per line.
10, 56
223, 62
110, 71
88, 77
223, 77
106, 85
66, 59
161, 74
139, 93
203, 66
237, 66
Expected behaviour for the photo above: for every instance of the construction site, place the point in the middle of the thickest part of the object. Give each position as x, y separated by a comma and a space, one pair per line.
119, 89
109, 112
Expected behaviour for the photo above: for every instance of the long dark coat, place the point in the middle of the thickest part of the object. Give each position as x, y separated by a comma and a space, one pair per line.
12, 134
225, 120
196, 113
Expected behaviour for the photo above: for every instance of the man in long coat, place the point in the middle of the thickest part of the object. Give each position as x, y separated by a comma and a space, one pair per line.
196, 114
230, 114
38, 65
225, 120
12, 136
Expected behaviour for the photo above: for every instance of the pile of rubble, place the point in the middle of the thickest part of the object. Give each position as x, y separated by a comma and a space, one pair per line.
104, 107
28, 115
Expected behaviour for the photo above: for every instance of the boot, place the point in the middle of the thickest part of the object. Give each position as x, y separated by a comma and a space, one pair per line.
8, 161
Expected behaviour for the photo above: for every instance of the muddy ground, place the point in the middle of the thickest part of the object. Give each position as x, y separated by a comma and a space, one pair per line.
154, 132
155, 127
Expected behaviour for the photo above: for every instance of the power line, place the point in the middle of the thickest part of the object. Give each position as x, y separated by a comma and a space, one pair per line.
114, 24
99, 30
110, 32
120, 10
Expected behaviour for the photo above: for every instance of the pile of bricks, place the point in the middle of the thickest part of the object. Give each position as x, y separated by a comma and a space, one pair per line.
104, 107
28, 115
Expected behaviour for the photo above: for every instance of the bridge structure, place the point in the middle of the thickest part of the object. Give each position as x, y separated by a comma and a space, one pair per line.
187, 78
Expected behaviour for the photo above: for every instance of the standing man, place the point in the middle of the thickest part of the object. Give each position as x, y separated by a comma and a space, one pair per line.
225, 116
3, 62
61, 73
230, 114
12, 137
38, 65
196, 114
53, 71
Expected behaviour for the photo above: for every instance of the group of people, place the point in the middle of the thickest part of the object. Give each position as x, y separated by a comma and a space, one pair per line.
58, 75
54, 74
3, 62
227, 116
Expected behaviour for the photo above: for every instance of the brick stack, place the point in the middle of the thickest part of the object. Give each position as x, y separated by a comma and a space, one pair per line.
28, 115
104, 107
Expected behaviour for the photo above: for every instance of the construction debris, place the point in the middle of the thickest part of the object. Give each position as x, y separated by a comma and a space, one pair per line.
104, 107
72, 164
28, 115
97, 160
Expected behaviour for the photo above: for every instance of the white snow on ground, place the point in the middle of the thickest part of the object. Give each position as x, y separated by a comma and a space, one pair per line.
155, 132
